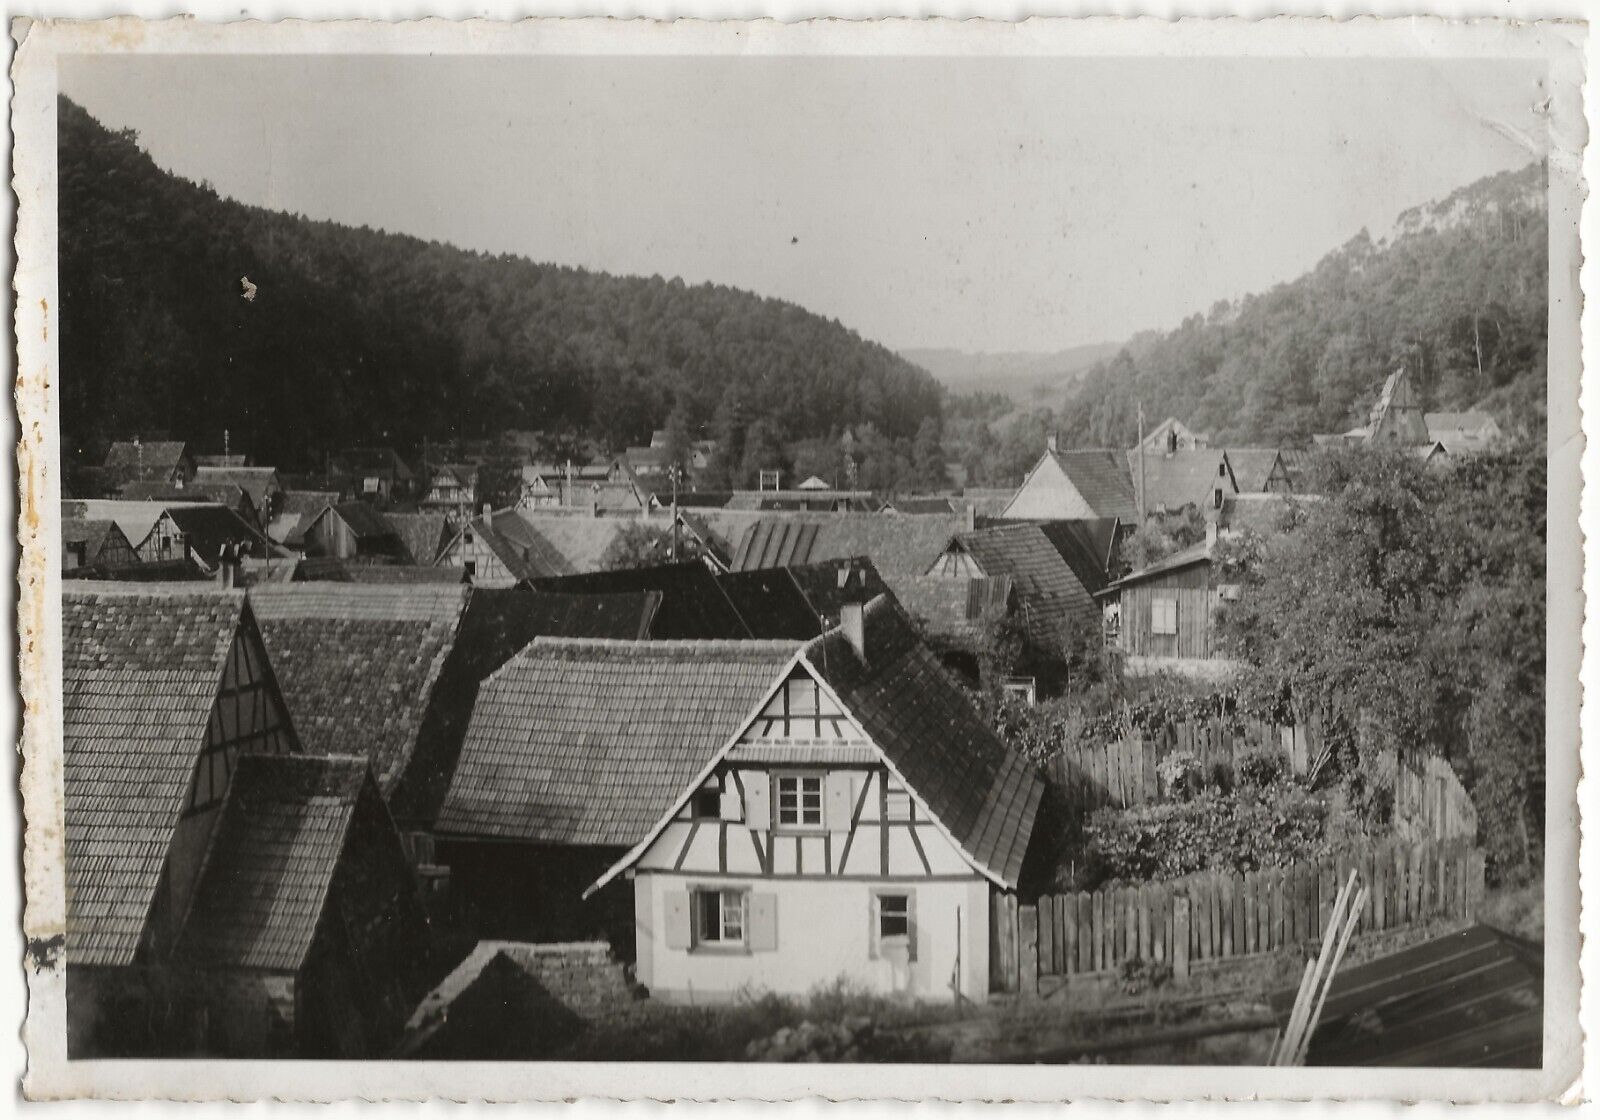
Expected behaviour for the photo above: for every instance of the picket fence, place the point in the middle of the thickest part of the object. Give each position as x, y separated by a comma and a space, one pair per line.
1125, 773
1431, 801
1217, 916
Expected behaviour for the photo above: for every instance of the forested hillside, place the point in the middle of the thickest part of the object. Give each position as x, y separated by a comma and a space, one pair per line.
356, 335
1456, 292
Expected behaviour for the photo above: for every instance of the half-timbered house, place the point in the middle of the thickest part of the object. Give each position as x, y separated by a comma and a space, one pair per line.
854, 824
1075, 484
163, 692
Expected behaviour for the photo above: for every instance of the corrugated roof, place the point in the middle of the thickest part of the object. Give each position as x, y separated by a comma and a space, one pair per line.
981, 791
1471, 999
272, 858
1102, 479
895, 545
588, 742
496, 625
357, 663
140, 674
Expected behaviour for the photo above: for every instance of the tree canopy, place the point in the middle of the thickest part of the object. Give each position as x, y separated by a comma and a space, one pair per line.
357, 336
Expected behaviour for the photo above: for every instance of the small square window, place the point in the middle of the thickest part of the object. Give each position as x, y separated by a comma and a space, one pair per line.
470, 567
706, 804
720, 917
800, 800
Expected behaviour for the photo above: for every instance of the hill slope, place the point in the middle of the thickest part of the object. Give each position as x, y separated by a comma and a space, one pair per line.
1457, 292
356, 335
1022, 376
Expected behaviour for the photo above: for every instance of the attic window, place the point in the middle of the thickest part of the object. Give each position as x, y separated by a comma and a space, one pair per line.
799, 800
706, 803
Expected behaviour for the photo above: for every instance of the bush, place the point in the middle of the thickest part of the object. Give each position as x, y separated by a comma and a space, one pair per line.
1260, 768
1245, 831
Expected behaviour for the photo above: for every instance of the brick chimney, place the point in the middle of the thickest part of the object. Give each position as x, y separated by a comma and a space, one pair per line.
1052, 442
972, 517
853, 621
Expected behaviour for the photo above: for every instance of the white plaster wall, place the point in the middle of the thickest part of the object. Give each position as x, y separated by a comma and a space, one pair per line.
824, 929
1048, 494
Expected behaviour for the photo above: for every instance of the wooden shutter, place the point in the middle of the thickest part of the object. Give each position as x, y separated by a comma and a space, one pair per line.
836, 801
763, 922
911, 922
676, 911
758, 801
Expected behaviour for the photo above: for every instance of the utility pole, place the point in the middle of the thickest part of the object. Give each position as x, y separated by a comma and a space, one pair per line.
674, 475
1141, 462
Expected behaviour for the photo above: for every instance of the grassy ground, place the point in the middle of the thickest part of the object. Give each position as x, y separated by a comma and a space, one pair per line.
1518, 910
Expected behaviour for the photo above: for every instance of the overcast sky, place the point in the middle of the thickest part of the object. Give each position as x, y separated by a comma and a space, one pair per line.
982, 205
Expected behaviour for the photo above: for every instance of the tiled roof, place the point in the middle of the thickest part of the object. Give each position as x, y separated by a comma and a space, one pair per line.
421, 534
140, 674
402, 573
365, 520
693, 604
1252, 467
91, 534
380, 460
1050, 590
258, 482
953, 611
496, 625
580, 539
197, 490
895, 545
771, 604
538, 556
588, 742
358, 663
1103, 480
206, 528
151, 459
981, 791
922, 505
135, 519
1178, 479
271, 861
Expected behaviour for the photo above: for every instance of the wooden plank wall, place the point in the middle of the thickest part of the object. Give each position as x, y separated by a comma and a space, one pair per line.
1218, 915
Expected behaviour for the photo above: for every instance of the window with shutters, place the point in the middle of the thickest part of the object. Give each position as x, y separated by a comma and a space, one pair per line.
1163, 616
799, 800
720, 917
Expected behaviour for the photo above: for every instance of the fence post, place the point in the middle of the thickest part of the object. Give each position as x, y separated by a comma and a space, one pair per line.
1028, 949
1180, 936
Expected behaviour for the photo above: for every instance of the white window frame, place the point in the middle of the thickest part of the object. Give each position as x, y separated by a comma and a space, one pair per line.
733, 902
800, 823
1164, 616
1026, 688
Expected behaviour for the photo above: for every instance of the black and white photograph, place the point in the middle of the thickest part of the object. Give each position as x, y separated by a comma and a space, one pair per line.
681, 549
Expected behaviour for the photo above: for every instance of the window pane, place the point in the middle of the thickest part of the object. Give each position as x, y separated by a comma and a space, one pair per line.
894, 915
708, 915
733, 915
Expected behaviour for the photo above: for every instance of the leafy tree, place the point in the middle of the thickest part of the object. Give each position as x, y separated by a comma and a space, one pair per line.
1408, 608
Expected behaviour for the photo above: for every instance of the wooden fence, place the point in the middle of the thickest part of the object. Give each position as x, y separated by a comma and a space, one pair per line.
1430, 800
1217, 915
1125, 772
